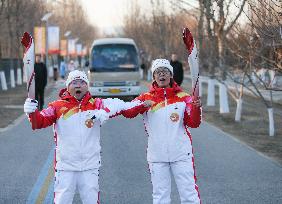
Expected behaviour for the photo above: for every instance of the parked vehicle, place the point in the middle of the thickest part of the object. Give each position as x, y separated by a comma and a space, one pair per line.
114, 68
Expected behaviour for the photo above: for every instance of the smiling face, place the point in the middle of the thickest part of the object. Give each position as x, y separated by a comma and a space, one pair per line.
78, 88
162, 76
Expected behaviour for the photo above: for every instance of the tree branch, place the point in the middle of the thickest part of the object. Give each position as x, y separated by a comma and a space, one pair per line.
236, 18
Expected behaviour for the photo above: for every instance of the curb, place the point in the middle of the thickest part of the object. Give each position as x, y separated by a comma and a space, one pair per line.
18, 120
14, 123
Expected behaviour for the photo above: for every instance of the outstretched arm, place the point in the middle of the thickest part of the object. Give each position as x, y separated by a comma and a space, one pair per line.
133, 112
117, 106
39, 119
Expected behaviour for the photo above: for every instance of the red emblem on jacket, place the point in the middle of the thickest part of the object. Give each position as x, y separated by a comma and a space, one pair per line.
174, 117
89, 123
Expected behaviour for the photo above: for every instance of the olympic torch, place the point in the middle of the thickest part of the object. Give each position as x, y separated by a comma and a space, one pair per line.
28, 61
192, 60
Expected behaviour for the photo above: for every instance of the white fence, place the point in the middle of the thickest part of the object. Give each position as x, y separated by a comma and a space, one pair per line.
9, 79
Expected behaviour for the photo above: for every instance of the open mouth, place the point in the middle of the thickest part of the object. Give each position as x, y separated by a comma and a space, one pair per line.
78, 92
162, 79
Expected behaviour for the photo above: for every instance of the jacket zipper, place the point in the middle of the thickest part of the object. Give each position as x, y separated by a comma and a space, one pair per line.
166, 123
80, 136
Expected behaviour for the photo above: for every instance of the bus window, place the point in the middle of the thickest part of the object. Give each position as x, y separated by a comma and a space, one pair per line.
114, 57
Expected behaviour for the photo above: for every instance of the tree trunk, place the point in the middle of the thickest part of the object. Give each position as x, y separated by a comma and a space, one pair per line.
223, 99
239, 102
211, 92
12, 78
271, 122
221, 55
3, 81
238, 114
19, 76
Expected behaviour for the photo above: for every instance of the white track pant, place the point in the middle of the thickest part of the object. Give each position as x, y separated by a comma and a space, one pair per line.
86, 182
183, 172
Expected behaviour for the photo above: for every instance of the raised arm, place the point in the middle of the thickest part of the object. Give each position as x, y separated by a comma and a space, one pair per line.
193, 113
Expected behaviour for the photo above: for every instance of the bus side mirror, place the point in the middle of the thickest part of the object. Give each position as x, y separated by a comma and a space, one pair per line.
86, 63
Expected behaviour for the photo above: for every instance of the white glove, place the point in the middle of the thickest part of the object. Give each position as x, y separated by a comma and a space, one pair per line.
102, 116
30, 105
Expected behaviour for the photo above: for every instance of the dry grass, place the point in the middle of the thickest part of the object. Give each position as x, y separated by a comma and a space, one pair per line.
14, 97
253, 128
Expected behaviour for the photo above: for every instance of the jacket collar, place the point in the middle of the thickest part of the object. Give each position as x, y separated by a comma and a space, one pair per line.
170, 91
65, 95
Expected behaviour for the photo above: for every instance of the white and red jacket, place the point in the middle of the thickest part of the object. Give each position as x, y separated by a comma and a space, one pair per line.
77, 138
167, 122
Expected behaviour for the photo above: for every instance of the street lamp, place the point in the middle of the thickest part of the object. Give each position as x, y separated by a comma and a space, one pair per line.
45, 18
67, 34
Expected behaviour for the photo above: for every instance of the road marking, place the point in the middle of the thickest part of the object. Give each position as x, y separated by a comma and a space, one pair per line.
41, 179
49, 199
46, 186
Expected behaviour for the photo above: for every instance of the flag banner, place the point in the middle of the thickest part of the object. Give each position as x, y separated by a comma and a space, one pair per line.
63, 48
39, 40
84, 51
78, 48
71, 47
53, 40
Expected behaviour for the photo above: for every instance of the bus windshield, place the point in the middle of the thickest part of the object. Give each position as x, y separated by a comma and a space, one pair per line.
114, 57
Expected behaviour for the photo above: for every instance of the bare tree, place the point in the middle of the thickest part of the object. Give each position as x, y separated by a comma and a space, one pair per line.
17, 16
159, 32
69, 15
260, 37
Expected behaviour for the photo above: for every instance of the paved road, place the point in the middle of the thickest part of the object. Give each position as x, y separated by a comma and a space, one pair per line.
228, 171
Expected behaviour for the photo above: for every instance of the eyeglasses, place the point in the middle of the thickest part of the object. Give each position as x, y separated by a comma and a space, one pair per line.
78, 82
159, 72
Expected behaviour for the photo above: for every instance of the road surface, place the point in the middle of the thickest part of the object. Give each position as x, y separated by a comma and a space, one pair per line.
227, 171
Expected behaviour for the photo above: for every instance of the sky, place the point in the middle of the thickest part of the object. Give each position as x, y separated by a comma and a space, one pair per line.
109, 14
106, 14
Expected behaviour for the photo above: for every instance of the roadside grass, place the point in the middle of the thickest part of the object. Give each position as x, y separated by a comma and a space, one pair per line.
14, 97
253, 128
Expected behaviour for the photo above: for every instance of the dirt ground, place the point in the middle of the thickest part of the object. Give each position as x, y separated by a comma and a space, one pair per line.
253, 128
11, 103
11, 97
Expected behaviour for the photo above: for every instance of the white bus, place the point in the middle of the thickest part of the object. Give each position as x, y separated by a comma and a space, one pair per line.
114, 68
